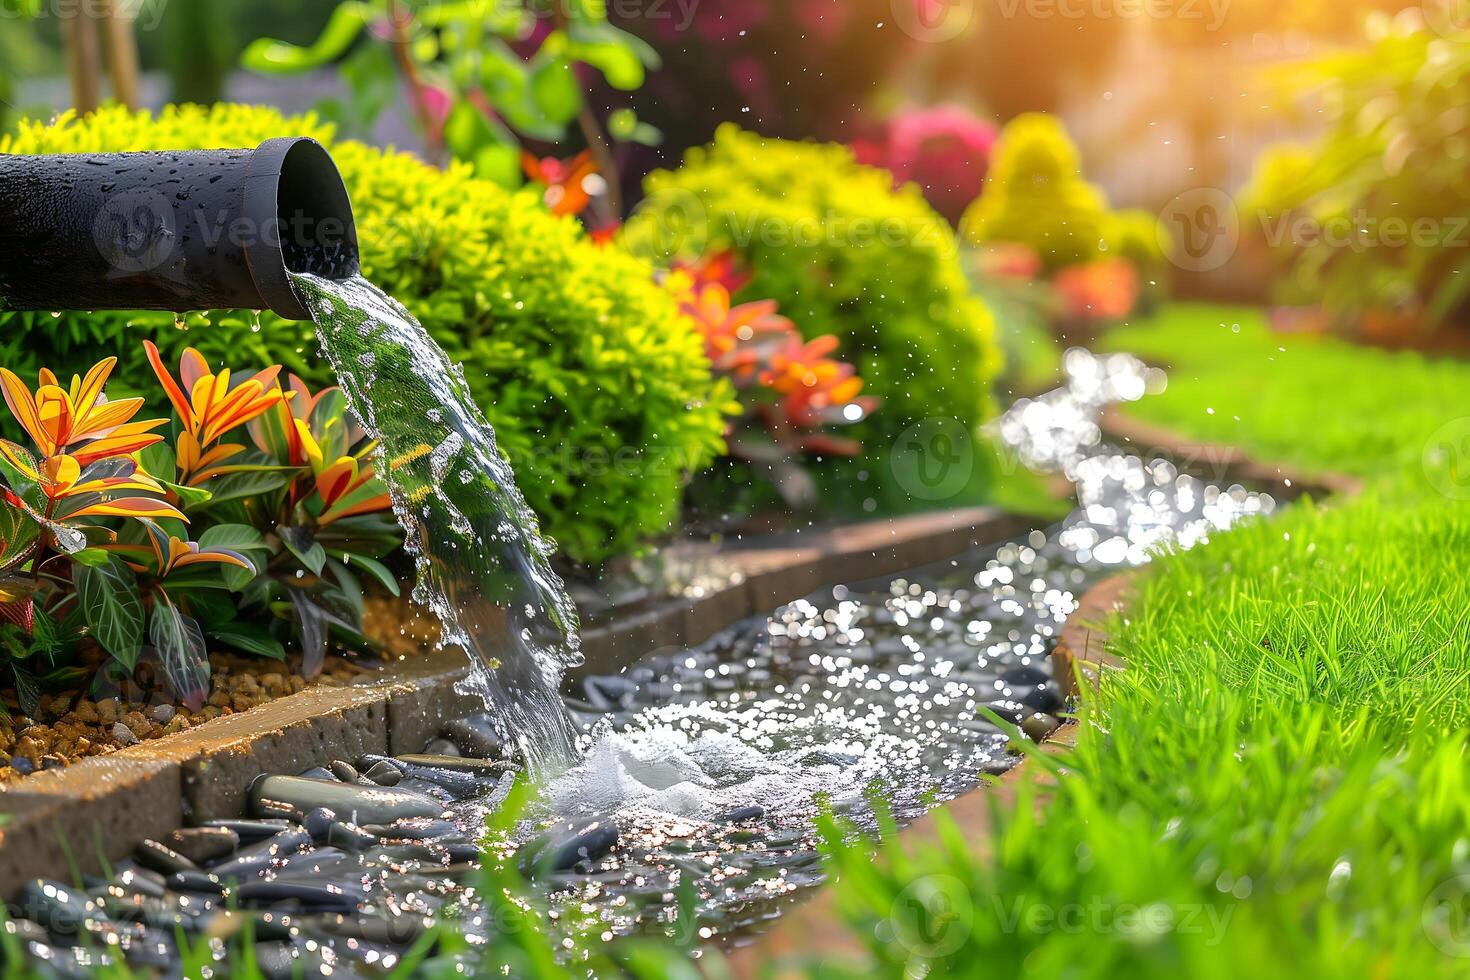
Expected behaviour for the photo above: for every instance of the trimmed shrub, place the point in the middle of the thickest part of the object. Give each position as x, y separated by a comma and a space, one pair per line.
1035, 195
1368, 218
596, 384
843, 253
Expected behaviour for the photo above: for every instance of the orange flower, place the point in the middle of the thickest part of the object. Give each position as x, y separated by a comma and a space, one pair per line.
726, 328
716, 269
165, 554
108, 488
212, 408
566, 180
346, 485
817, 389
1103, 289
276, 432
59, 418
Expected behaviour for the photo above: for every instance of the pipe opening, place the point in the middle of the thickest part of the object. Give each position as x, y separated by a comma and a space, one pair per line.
294, 188
312, 206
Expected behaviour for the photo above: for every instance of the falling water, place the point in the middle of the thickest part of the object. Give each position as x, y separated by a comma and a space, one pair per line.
483, 566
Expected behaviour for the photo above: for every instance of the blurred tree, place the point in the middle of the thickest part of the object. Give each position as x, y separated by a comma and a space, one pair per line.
198, 42
199, 48
483, 77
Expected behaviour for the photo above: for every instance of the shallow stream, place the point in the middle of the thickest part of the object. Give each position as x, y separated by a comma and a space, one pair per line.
696, 773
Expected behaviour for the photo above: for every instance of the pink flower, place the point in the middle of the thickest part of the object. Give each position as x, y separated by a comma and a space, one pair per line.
945, 150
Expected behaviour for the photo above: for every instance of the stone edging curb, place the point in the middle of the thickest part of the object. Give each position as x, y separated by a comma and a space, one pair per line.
54, 821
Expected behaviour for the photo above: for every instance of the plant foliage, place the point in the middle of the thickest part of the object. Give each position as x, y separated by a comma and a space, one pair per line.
1373, 213
108, 533
844, 254
478, 73
599, 390
1035, 195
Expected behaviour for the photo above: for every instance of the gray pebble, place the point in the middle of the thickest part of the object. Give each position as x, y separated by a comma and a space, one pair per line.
152, 854
202, 844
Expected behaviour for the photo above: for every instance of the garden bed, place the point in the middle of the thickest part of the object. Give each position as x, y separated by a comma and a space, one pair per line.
105, 806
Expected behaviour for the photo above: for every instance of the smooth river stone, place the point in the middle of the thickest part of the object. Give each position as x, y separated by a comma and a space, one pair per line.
261, 856
63, 910
359, 804
322, 897
394, 930
250, 831
453, 763
415, 829
475, 736
202, 844
152, 854
384, 774
569, 845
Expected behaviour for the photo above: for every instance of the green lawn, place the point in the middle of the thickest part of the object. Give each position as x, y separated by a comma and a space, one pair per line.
1278, 785
1318, 402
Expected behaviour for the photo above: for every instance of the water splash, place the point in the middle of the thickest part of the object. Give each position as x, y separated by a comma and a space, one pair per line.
483, 567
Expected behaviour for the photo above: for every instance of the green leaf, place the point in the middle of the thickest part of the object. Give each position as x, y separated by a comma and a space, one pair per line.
44, 635
92, 557
27, 690
556, 91
300, 542
251, 638
236, 537
618, 64
158, 461
272, 57
18, 536
247, 541
212, 608
237, 486
189, 496
594, 41
12, 476
373, 567
113, 609
179, 643
625, 127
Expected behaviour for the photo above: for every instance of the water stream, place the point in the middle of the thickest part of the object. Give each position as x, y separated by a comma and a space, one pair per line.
689, 782
483, 567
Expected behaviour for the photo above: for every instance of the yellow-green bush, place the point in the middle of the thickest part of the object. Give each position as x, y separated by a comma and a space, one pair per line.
844, 254
1369, 216
1035, 195
598, 388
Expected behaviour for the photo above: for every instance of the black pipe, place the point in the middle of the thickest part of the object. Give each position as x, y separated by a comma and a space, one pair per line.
195, 230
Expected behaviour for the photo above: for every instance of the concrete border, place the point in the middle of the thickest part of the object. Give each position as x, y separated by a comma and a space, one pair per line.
795, 566
59, 820
1222, 463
